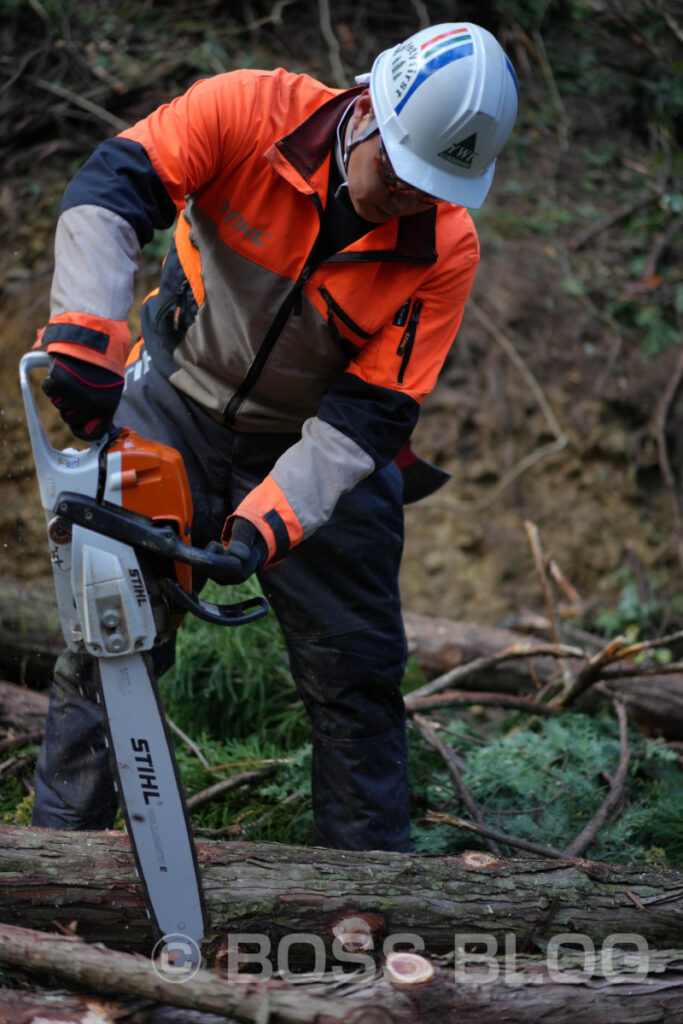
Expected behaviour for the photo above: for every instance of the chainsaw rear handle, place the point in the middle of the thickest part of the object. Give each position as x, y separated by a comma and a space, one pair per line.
236, 614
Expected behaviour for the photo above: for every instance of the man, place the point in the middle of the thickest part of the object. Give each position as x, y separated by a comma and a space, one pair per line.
320, 266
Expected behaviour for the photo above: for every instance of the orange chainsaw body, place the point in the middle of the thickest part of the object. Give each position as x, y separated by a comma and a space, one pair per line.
154, 484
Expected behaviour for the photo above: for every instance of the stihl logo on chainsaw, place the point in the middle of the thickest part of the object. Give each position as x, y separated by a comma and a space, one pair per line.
139, 589
146, 772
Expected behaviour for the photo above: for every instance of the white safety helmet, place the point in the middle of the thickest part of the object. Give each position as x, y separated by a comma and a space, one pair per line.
445, 101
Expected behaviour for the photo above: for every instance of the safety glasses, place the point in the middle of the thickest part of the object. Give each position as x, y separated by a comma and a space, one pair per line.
394, 183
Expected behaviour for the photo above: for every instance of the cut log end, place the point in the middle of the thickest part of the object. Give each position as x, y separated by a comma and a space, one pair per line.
476, 859
407, 969
355, 933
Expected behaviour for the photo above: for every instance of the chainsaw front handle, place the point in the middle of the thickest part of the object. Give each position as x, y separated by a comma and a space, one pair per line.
69, 483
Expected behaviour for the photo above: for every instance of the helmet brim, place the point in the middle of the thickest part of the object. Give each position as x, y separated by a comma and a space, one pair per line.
470, 192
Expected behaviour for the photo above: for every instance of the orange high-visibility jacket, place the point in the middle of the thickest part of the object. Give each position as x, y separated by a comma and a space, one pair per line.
340, 354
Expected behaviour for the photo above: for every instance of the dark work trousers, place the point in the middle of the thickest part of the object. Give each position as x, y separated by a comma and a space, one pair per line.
336, 598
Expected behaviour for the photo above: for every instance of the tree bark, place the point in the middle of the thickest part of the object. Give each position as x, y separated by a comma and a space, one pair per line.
440, 644
273, 890
22, 709
552, 991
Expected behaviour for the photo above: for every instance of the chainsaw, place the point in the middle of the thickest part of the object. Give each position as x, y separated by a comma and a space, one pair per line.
118, 523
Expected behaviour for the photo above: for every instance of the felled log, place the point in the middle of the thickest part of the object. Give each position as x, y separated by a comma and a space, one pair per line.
410, 989
440, 644
46, 1006
76, 961
22, 709
273, 890
31, 638
30, 633
655, 702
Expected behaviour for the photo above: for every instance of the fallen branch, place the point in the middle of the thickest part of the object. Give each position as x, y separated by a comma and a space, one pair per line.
464, 698
671, 22
672, 668
333, 51
596, 228
587, 836
100, 113
540, 564
439, 818
615, 650
520, 649
219, 788
17, 764
76, 961
429, 732
23, 739
563, 121
188, 741
534, 538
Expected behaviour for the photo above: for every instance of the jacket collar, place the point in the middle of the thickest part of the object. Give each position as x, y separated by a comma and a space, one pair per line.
310, 143
307, 150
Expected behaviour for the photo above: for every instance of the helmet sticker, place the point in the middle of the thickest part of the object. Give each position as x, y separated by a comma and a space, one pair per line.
461, 153
438, 57
403, 66
446, 39
510, 68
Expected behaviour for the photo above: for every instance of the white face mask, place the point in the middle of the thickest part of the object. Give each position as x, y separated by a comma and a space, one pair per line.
342, 151
370, 129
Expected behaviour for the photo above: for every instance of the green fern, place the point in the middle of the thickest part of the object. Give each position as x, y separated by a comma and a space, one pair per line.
545, 784
275, 807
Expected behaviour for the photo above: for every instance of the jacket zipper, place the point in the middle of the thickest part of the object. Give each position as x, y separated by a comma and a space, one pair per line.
406, 343
163, 310
176, 300
276, 328
290, 303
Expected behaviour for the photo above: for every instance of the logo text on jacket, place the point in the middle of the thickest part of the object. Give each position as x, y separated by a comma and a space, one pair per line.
239, 223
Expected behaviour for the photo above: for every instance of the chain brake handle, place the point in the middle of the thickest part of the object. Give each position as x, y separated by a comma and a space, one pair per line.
162, 541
